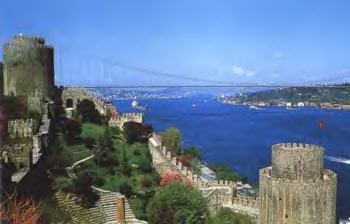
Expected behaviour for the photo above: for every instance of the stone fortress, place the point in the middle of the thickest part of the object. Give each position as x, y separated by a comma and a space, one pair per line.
28, 70
28, 76
296, 188
219, 193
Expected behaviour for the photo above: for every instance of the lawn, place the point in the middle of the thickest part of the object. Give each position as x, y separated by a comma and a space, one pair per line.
91, 130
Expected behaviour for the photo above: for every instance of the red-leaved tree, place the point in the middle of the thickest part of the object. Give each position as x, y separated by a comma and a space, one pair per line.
174, 177
20, 211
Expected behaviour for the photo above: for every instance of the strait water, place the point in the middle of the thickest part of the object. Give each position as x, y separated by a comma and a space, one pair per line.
242, 137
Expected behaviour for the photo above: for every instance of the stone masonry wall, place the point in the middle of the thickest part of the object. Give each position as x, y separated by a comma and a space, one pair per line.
287, 198
28, 69
126, 117
219, 193
77, 94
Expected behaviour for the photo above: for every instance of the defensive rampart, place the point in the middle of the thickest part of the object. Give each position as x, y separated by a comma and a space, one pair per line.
126, 117
71, 96
26, 140
297, 190
218, 192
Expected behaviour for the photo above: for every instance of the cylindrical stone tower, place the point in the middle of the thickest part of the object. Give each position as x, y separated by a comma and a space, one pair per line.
296, 189
28, 66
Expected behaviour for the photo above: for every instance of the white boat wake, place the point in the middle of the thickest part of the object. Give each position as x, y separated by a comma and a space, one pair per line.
338, 159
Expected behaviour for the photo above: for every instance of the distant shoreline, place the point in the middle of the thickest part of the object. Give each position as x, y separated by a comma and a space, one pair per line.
325, 105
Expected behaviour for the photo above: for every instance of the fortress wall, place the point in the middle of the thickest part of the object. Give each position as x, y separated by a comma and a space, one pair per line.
26, 142
292, 201
252, 202
77, 94
126, 117
20, 154
21, 128
157, 150
1, 81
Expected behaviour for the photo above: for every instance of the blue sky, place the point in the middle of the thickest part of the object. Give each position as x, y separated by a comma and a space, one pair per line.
261, 41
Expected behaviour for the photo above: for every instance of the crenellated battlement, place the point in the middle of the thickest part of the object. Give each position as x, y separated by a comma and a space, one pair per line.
294, 146
126, 117
37, 39
28, 69
327, 177
77, 94
296, 188
156, 147
15, 46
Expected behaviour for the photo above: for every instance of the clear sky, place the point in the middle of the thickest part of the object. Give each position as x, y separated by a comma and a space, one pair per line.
261, 41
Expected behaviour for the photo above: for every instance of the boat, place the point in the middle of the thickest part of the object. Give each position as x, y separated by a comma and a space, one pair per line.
289, 108
194, 105
254, 107
136, 105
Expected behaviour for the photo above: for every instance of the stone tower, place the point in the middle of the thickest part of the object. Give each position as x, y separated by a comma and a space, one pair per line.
296, 188
28, 65
1, 85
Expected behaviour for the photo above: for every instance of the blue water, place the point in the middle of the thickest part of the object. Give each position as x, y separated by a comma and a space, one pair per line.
242, 138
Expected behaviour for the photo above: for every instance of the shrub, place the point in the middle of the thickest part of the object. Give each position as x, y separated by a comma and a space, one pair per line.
72, 129
82, 187
145, 165
174, 177
89, 143
227, 216
192, 152
172, 139
136, 152
109, 159
145, 182
224, 172
24, 211
125, 189
177, 203
62, 183
87, 110
134, 132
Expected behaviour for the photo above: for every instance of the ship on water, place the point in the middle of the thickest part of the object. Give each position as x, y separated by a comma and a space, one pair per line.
138, 106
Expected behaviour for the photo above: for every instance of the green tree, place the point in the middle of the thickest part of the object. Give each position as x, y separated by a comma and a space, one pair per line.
134, 131
104, 156
107, 137
82, 187
73, 130
126, 189
172, 139
177, 203
87, 110
227, 216
192, 152
224, 172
